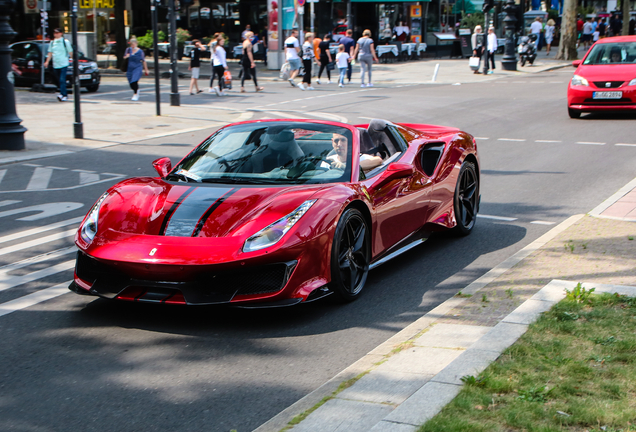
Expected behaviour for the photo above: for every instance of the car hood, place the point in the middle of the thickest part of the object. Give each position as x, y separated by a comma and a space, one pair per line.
151, 206
619, 72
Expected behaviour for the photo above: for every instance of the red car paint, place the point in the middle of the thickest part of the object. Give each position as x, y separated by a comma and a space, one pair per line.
398, 201
580, 97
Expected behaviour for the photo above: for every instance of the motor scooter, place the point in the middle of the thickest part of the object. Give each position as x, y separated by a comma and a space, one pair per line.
527, 49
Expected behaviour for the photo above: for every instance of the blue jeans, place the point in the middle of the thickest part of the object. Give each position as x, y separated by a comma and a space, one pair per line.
343, 73
60, 74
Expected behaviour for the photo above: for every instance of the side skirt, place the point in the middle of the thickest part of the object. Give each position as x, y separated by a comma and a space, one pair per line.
407, 244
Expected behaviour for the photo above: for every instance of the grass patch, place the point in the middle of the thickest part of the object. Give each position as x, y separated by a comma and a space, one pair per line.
573, 370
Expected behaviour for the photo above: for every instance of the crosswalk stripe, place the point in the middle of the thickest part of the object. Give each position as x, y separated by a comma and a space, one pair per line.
7, 281
88, 177
34, 298
2, 173
8, 202
38, 230
37, 259
40, 178
37, 242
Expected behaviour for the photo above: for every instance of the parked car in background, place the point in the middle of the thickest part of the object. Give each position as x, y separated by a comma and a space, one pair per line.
26, 58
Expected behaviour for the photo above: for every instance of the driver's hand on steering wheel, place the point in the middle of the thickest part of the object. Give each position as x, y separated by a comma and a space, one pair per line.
338, 165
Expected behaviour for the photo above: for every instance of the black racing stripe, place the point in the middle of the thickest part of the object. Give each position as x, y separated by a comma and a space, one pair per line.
185, 218
177, 203
211, 209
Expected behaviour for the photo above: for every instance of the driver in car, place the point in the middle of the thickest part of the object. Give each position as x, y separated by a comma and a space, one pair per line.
338, 157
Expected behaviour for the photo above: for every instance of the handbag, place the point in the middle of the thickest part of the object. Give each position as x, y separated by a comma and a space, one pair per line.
227, 78
473, 63
331, 66
284, 71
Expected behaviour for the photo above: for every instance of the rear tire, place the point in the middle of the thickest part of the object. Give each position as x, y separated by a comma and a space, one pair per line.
466, 200
574, 113
350, 256
523, 61
92, 88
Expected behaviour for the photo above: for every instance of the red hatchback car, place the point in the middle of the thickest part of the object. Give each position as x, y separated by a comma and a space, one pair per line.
605, 80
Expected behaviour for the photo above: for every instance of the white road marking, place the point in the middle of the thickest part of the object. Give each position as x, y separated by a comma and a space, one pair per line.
34, 298
501, 218
285, 115
542, 223
37, 259
8, 202
511, 139
557, 82
590, 143
38, 230
37, 242
40, 178
43, 210
32, 165
482, 138
83, 171
547, 141
2, 173
7, 282
619, 145
86, 178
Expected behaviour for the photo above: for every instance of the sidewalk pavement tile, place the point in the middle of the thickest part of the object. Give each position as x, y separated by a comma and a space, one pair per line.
625, 290
387, 426
338, 415
451, 336
385, 387
619, 209
424, 404
528, 312
500, 337
471, 362
419, 360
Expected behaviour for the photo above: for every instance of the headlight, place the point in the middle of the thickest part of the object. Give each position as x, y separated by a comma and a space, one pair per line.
93, 65
632, 82
579, 80
89, 228
271, 234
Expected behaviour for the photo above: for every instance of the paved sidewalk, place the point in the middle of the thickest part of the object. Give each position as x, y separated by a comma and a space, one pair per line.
407, 380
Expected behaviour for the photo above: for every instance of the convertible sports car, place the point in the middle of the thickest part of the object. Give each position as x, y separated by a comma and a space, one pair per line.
277, 212
605, 80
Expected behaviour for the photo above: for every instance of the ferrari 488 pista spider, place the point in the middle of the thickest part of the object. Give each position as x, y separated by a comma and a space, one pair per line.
277, 212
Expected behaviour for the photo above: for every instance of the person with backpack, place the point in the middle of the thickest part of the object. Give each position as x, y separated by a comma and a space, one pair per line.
59, 52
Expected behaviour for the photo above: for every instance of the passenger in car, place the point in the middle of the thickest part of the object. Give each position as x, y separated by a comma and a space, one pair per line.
338, 157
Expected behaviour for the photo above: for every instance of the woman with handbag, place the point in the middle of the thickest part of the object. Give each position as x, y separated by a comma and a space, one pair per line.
219, 66
136, 64
247, 61
476, 42
325, 58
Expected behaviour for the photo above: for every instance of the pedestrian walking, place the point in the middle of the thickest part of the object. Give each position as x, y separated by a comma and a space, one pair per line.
342, 60
588, 30
535, 28
59, 51
476, 40
219, 66
491, 48
349, 45
247, 61
195, 65
136, 66
602, 28
549, 35
325, 58
365, 53
292, 48
308, 59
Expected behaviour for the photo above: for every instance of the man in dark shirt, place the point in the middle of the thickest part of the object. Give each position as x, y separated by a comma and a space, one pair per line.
616, 25
349, 45
195, 65
601, 27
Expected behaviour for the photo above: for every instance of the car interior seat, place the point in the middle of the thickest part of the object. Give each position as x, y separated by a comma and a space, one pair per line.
277, 149
381, 142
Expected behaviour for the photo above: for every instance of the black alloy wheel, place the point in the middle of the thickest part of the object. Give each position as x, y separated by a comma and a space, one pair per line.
466, 198
350, 256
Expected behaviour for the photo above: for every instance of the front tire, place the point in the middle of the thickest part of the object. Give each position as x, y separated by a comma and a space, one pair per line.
92, 88
350, 256
466, 199
574, 113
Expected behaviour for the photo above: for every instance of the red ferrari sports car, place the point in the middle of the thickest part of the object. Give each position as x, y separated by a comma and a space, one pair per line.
277, 212
605, 80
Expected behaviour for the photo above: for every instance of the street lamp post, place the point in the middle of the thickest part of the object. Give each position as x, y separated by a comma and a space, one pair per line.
509, 60
11, 131
175, 98
155, 52
78, 127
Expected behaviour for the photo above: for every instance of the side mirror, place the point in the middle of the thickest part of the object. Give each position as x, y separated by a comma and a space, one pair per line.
576, 63
397, 170
163, 166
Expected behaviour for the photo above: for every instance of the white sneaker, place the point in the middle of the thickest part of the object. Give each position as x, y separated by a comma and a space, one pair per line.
63, 99
330, 82
370, 85
59, 97
210, 90
310, 88
362, 85
317, 81
291, 81
222, 93
301, 86
135, 97
216, 90
341, 85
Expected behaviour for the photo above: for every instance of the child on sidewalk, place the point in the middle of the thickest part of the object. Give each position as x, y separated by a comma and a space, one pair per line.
342, 60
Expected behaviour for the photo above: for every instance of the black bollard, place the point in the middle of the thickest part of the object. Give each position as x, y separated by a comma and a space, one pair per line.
11, 131
509, 60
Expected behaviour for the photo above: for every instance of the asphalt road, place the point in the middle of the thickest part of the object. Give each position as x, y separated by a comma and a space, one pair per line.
80, 363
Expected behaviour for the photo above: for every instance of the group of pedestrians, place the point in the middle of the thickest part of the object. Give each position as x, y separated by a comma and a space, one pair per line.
484, 48
348, 52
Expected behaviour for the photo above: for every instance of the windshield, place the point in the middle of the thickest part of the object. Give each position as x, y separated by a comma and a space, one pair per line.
612, 53
270, 153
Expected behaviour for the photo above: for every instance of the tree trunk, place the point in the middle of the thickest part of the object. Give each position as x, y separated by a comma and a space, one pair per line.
567, 44
120, 31
625, 17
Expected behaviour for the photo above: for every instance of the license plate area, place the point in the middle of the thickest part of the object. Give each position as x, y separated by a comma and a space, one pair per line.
85, 77
607, 95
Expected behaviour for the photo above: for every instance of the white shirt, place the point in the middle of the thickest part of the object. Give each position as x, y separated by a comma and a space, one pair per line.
291, 43
588, 28
341, 59
536, 27
219, 57
492, 42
